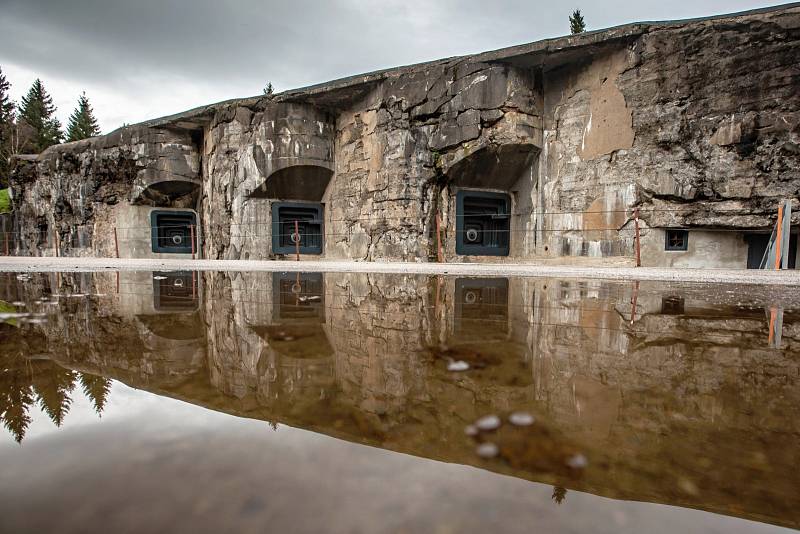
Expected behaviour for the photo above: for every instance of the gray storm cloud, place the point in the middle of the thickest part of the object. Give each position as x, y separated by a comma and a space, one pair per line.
232, 48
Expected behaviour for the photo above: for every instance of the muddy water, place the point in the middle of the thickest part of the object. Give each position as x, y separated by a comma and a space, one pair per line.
253, 402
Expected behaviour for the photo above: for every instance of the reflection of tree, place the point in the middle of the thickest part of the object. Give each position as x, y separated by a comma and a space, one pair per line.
559, 494
23, 382
52, 388
16, 396
96, 388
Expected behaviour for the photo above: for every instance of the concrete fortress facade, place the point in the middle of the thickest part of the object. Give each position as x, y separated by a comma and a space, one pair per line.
540, 150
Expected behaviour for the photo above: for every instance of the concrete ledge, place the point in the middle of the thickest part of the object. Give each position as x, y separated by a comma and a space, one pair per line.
781, 278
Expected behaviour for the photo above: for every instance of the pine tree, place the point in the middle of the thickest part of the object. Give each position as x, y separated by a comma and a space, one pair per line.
576, 22
269, 90
38, 125
82, 123
7, 114
96, 388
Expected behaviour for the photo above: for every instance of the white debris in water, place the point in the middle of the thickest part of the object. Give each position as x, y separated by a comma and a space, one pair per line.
521, 419
487, 423
487, 450
76, 295
471, 431
159, 278
33, 320
457, 366
577, 461
18, 304
7, 316
23, 277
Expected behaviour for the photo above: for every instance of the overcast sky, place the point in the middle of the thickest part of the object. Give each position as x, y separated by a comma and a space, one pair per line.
141, 59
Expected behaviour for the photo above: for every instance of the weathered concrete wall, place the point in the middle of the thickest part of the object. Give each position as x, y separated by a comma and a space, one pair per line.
724, 250
696, 124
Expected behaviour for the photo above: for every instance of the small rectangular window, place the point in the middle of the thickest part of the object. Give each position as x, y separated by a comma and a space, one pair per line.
672, 305
172, 231
676, 240
296, 224
483, 223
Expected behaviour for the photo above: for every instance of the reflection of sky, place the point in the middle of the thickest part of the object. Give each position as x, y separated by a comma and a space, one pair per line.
157, 464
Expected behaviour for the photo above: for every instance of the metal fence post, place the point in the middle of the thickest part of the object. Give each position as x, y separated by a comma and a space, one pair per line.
638, 245
778, 237
191, 228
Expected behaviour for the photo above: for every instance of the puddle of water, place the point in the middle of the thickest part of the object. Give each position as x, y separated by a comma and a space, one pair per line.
588, 394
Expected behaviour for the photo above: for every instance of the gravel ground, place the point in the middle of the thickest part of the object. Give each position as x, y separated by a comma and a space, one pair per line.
549, 270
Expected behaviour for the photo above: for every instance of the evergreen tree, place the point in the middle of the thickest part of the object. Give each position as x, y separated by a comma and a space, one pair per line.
576, 22
39, 127
96, 388
82, 123
269, 90
7, 113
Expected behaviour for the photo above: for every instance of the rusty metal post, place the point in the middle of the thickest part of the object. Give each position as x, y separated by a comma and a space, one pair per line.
191, 229
638, 246
57, 243
194, 285
116, 242
634, 300
778, 237
439, 254
297, 239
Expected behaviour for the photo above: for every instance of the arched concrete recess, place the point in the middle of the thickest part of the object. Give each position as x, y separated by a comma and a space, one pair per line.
295, 153
492, 167
298, 182
172, 192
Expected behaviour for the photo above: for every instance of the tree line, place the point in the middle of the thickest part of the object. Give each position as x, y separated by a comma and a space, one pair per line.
25, 384
30, 126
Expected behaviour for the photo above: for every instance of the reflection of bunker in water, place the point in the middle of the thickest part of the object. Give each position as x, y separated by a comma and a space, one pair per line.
175, 291
481, 309
298, 360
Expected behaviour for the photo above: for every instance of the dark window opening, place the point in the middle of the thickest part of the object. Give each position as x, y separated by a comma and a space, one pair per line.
672, 305
757, 246
483, 223
676, 240
175, 291
296, 226
172, 231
